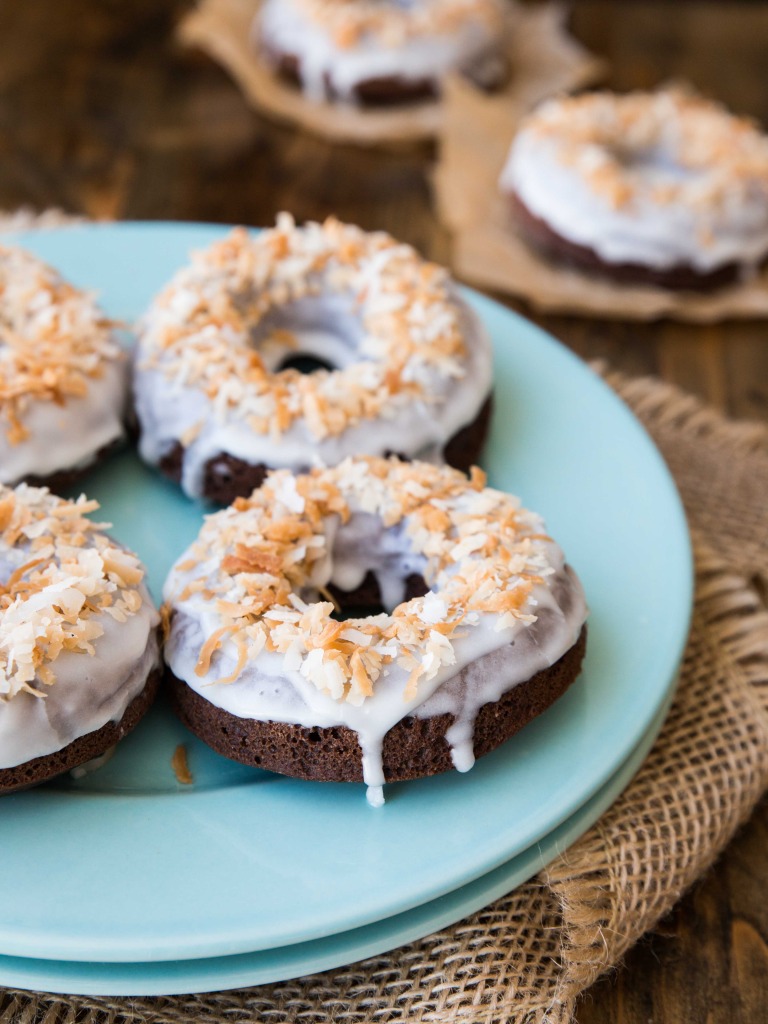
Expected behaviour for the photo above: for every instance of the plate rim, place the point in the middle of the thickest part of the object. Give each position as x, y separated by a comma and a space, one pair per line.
521, 323
244, 970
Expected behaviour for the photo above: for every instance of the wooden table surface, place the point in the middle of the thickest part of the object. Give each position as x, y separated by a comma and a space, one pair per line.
102, 114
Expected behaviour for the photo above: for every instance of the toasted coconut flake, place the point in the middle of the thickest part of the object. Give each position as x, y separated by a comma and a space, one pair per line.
53, 602
199, 333
392, 25
485, 557
209, 648
53, 339
595, 133
180, 766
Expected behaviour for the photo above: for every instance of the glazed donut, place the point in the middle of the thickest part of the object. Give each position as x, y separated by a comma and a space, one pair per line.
407, 364
62, 375
78, 637
373, 53
265, 674
662, 188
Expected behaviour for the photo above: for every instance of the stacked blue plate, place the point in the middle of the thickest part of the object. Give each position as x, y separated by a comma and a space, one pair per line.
127, 882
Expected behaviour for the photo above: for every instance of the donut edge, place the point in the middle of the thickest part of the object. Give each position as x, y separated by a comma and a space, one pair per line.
60, 479
560, 251
226, 477
84, 748
414, 748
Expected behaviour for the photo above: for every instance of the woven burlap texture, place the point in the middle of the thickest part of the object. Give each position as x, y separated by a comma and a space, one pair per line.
526, 958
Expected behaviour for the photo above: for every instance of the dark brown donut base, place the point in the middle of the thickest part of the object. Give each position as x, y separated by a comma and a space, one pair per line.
227, 477
390, 90
84, 748
462, 451
373, 92
553, 247
412, 749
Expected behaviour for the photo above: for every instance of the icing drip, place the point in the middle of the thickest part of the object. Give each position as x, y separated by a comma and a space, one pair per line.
486, 666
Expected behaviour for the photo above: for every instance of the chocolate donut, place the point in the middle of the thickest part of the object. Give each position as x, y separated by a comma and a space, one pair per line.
376, 54
63, 377
399, 362
480, 624
663, 188
78, 637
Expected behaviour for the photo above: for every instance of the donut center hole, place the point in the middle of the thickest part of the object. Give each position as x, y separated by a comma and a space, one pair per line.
305, 364
654, 163
366, 600
309, 334
373, 568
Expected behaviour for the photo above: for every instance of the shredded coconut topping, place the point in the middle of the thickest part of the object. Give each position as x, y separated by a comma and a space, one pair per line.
711, 156
53, 339
200, 332
352, 22
60, 574
263, 563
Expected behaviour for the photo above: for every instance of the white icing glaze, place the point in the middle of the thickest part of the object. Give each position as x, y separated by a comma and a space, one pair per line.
330, 69
172, 411
418, 429
69, 436
89, 692
677, 203
62, 375
77, 625
483, 659
484, 669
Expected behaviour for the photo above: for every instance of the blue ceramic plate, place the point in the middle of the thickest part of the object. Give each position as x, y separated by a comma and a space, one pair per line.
163, 977
129, 866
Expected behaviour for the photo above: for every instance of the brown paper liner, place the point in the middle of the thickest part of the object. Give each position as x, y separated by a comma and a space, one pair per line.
543, 58
486, 251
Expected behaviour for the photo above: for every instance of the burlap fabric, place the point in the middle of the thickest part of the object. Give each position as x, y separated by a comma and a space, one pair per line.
527, 957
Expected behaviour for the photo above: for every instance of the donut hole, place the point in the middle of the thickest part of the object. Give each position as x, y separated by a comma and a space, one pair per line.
310, 334
656, 164
373, 568
366, 600
305, 364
